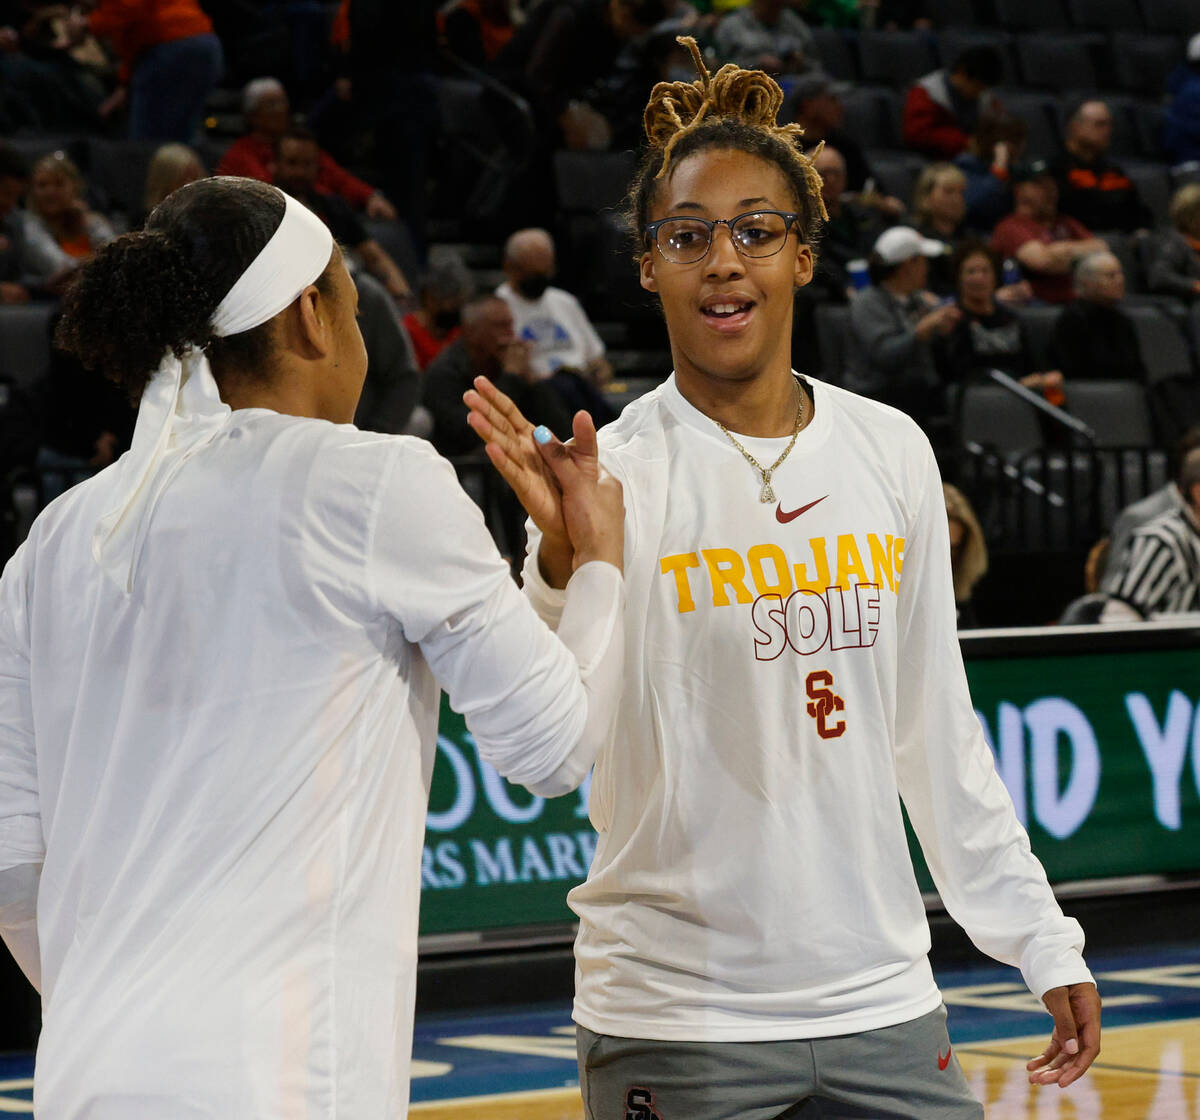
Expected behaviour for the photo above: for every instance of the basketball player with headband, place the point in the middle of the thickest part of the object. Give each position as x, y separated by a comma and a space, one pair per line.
220, 663
752, 941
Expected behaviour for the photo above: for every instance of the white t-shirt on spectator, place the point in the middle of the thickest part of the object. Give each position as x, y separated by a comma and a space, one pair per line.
558, 328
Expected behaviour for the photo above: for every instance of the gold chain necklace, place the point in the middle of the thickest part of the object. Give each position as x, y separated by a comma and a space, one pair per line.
765, 473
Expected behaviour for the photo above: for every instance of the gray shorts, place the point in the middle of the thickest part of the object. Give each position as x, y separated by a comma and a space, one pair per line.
905, 1072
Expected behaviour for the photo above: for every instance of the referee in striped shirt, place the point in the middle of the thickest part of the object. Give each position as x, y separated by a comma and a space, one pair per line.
1160, 570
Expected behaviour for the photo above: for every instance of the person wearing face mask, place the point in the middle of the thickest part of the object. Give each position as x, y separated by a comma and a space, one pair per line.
565, 348
436, 322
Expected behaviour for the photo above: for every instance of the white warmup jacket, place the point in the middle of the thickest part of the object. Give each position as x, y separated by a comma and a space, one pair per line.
792, 672
224, 773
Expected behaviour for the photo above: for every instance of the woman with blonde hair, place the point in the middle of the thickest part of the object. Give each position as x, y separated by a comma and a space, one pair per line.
939, 209
171, 166
59, 212
968, 552
1175, 269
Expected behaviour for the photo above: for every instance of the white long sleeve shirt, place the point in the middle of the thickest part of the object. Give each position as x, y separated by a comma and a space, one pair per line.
224, 774
792, 672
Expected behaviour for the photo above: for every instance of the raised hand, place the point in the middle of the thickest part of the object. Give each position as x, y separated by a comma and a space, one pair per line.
1075, 1041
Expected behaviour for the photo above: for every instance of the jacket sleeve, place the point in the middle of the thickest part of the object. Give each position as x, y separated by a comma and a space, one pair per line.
977, 851
240, 159
927, 127
335, 179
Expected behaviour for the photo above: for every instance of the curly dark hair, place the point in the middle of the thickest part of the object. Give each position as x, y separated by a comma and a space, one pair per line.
734, 109
156, 289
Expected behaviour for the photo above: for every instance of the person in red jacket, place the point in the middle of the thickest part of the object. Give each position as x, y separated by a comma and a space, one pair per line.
941, 109
170, 62
268, 112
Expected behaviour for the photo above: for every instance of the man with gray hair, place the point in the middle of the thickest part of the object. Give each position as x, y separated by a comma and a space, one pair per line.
1093, 338
268, 114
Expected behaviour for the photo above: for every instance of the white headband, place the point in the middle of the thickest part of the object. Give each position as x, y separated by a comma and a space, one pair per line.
181, 410
296, 255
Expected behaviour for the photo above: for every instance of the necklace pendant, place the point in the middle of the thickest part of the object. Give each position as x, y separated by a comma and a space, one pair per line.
767, 495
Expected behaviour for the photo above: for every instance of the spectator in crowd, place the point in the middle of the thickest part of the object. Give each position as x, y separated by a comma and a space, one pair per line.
943, 108
1159, 570
938, 210
1163, 500
1093, 338
997, 143
814, 104
893, 326
1175, 266
268, 114
477, 30
170, 168
565, 348
989, 334
968, 553
393, 384
1047, 244
766, 35
31, 264
1091, 188
1181, 129
488, 347
297, 168
58, 210
170, 62
848, 235
436, 322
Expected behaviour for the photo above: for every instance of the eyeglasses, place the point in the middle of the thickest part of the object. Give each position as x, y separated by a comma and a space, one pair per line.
759, 233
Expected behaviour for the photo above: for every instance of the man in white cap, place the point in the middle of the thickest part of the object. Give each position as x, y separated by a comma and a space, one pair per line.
1181, 130
893, 325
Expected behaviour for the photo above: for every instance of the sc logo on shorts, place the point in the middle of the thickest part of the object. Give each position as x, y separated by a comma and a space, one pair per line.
639, 1105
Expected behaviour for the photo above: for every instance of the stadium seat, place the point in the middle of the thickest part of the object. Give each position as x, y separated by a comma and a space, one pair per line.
896, 58
835, 49
397, 243
1177, 17
1153, 183
1117, 411
831, 321
1030, 15
952, 41
32, 148
1142, 62
1105, 15
588, 182
1149, 116
873, 116
1162, 342
1040, 112
997, 420
1037, 323
897, 171
1055, 61
25, 341
116, 172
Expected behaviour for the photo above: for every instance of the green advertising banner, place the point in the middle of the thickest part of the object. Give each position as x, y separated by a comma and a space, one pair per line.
1100, 751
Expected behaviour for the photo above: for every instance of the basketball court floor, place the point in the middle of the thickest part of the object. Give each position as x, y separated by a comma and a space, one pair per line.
518, 1062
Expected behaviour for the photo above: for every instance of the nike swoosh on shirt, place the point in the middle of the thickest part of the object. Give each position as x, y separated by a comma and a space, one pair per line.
784, 518
944, 1062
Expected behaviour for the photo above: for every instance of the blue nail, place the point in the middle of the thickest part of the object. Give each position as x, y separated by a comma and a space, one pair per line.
542, 434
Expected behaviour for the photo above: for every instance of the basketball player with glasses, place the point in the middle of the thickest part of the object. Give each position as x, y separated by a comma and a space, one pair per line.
752, 941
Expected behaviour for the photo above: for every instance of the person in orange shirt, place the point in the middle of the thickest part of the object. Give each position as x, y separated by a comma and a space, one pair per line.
170, 62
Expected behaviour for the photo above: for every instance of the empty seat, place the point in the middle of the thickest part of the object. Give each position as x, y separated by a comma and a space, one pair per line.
1163, 344
1037, 325
1040, 112
1153, 182
896, 171
1056, 61
952, 41
1026, 15
836, 52
1149, 116
1178, 17
1142, 62
997, 420
873, 116
1105, 15
1117, 411
25, 341
116, 172
895, 58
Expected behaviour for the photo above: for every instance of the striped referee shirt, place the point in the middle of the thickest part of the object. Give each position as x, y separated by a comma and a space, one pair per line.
1161, 573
